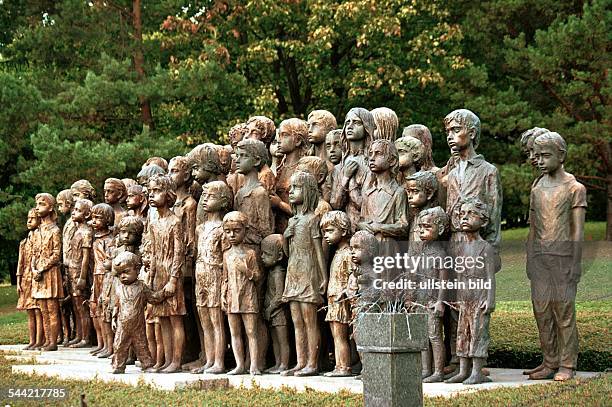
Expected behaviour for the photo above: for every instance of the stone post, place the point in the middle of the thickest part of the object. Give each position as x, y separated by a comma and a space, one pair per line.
390, 346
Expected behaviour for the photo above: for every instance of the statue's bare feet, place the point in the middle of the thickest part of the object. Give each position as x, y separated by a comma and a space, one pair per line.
564, 374
81, 344
436, 377
107, 353
255, 372
215, 369
535, 369
96, 350
291, 372
307, 371
152, 369
237, 370
339, 373
189, 367
195, 370
29, 346
119, 370
476, 378
50, 348
74, 341
542, 374
272, 370
458, 378
171, 368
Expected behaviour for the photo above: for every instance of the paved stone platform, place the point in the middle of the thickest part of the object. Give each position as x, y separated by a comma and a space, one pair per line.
78, 364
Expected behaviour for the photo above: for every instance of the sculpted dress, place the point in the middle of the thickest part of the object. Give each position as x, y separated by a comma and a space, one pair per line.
167, 248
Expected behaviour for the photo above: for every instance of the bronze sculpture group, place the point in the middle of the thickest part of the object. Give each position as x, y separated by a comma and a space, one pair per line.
284, 225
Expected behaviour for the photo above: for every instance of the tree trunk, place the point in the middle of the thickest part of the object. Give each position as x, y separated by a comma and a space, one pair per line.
145, 106
609, 210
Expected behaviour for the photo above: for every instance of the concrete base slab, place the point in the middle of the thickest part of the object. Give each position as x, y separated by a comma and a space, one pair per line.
79, 364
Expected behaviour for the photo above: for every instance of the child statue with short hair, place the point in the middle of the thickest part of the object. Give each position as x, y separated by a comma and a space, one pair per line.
131, 297
475, 305
421, 190
115, 194
333, 145
275, 310
431, 225
102, 219
526, 141
320, 123
137, 202
217, 200
306, 272
25, 300
65, 202
128, 236
422, 133
411, 153
556, 231
205, 167
166, 250
79, 261
336, 228
240, 275
47, 287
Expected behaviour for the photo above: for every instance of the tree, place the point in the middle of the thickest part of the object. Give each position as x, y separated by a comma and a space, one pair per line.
550, 70
301, 55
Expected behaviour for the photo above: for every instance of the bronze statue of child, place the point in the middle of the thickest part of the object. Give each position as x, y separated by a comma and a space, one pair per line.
25, 300
556, 231
320, 123
80, 261
333, 146
293, 144
115, 194
336, 228
137, 202
475, 304
386, 124
411, 153
306, 280
131, 297
128, 235
166, 249
217, 200
421, 190
47, 286
431, 227
102, 219
240, 275
356, 137
318, 168
275, 310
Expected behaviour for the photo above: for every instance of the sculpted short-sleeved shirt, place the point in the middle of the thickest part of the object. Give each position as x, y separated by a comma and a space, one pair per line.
551, 214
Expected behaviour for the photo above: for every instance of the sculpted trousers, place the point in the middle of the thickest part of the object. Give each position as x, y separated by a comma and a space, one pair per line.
127, 336
554, 308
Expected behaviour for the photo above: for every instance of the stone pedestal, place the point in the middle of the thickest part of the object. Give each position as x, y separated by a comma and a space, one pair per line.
390, 347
